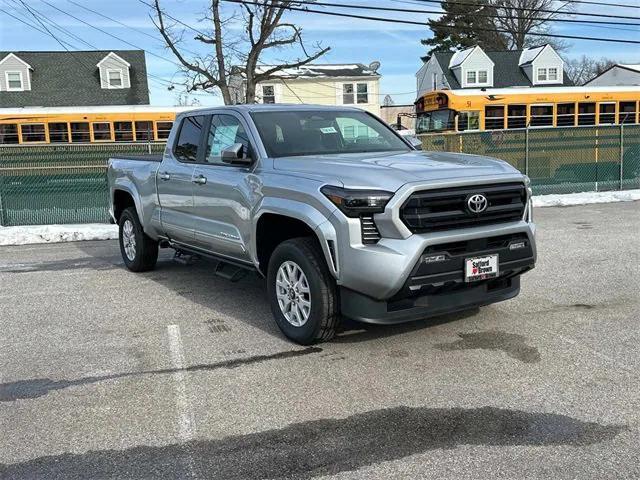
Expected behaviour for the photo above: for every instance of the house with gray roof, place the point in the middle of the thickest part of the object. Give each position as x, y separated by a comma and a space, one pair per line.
617, 75
66, 79
473, 67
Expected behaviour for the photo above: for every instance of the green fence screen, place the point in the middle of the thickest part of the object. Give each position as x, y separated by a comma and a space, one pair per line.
55, 184
52, 184
558, 160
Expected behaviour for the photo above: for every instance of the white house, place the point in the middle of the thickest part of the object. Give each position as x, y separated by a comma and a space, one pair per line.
473, 67
617, 75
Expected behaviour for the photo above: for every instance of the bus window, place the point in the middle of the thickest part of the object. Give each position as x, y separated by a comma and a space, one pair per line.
627, 113
163, 129
468, 121
33, 133
607, 114
144, 131
516, 116
494, 118
123, 131
586, 114
566, 116
8, 134
80, 132
435, 121
101, 131
541, 116
58, 133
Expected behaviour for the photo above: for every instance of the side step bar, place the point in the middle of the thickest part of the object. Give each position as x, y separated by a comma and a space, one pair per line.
225, 268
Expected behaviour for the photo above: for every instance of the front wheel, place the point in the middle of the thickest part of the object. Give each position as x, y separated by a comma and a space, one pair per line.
139, 251
302, 292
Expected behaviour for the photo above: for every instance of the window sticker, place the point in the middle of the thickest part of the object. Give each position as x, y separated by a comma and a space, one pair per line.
328, 130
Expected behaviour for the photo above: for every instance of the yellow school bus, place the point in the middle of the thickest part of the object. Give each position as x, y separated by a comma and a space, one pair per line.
512, 108
60, 125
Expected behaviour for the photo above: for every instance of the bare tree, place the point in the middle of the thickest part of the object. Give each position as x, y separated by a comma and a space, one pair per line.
227, 55
583, 69
522, 17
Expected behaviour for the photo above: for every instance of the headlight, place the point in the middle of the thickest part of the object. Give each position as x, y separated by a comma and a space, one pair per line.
354, 203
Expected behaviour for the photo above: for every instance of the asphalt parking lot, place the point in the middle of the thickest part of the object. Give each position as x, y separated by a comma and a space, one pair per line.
179, 374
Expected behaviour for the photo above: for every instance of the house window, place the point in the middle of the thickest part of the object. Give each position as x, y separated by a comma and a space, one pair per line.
144, 131
80, 132
8, 134
33, 133
542, 74
566, 116
628, 112
482, 76
553, 74
347, 94
268, 94
516, 116
541, 116
114, 79
607, 114
434, 82
363, 93
471, 77
101, 132
468, 121
58, 133
14, 81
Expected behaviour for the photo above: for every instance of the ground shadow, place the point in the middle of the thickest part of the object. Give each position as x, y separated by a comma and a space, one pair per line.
322, 447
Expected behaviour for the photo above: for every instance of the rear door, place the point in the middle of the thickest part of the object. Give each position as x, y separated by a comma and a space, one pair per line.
175, 180
223, 193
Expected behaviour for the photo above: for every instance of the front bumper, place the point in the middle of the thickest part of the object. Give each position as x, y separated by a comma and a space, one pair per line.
438, 287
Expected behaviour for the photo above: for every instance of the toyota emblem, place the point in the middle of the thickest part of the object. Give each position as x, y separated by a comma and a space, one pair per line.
477, 203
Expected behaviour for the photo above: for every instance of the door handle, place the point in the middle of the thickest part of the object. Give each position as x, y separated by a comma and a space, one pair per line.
164, 176
200, 180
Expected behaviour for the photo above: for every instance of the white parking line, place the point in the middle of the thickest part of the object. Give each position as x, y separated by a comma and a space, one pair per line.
183, 407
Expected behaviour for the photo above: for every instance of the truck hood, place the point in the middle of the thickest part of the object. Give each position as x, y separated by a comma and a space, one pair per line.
389, 171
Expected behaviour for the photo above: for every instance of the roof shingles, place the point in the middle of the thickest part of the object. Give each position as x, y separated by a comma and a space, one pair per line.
61, 79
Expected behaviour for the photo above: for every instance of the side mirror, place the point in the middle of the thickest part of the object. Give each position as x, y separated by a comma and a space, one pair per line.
415, 142
235, 155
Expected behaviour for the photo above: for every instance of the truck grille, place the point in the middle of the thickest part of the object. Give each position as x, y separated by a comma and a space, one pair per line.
446, 208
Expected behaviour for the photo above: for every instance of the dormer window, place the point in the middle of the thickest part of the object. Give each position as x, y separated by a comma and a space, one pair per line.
114, 72
15, 81
547, 74
114, 78
477, 77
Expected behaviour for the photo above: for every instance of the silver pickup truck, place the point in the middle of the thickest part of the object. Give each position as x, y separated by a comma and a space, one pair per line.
344, 217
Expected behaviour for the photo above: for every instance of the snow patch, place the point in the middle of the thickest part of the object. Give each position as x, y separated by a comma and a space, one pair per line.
56, 233
585, 198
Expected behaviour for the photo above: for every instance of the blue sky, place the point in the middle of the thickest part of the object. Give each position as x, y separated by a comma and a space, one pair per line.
396, 46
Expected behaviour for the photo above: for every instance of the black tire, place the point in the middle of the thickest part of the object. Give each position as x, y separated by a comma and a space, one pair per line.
146, 249
324, 316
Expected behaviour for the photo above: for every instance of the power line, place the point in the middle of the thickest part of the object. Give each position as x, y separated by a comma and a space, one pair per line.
436, 12
531, 9
412, 22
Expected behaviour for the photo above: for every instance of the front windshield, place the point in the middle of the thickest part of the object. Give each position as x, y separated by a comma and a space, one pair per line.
323, 132
435, 121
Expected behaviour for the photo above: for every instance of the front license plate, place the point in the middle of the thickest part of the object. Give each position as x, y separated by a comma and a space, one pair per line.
481, 268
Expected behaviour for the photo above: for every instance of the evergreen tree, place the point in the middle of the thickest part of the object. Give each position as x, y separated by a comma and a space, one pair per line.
462, 26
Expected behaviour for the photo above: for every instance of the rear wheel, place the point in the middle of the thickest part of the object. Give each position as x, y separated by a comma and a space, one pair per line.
139, 251
302, 292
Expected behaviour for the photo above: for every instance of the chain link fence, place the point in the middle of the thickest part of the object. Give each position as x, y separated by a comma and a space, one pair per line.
558, 160
55, 184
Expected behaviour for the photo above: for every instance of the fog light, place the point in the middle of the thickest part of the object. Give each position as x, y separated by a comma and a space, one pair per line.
435, 258
517, 245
